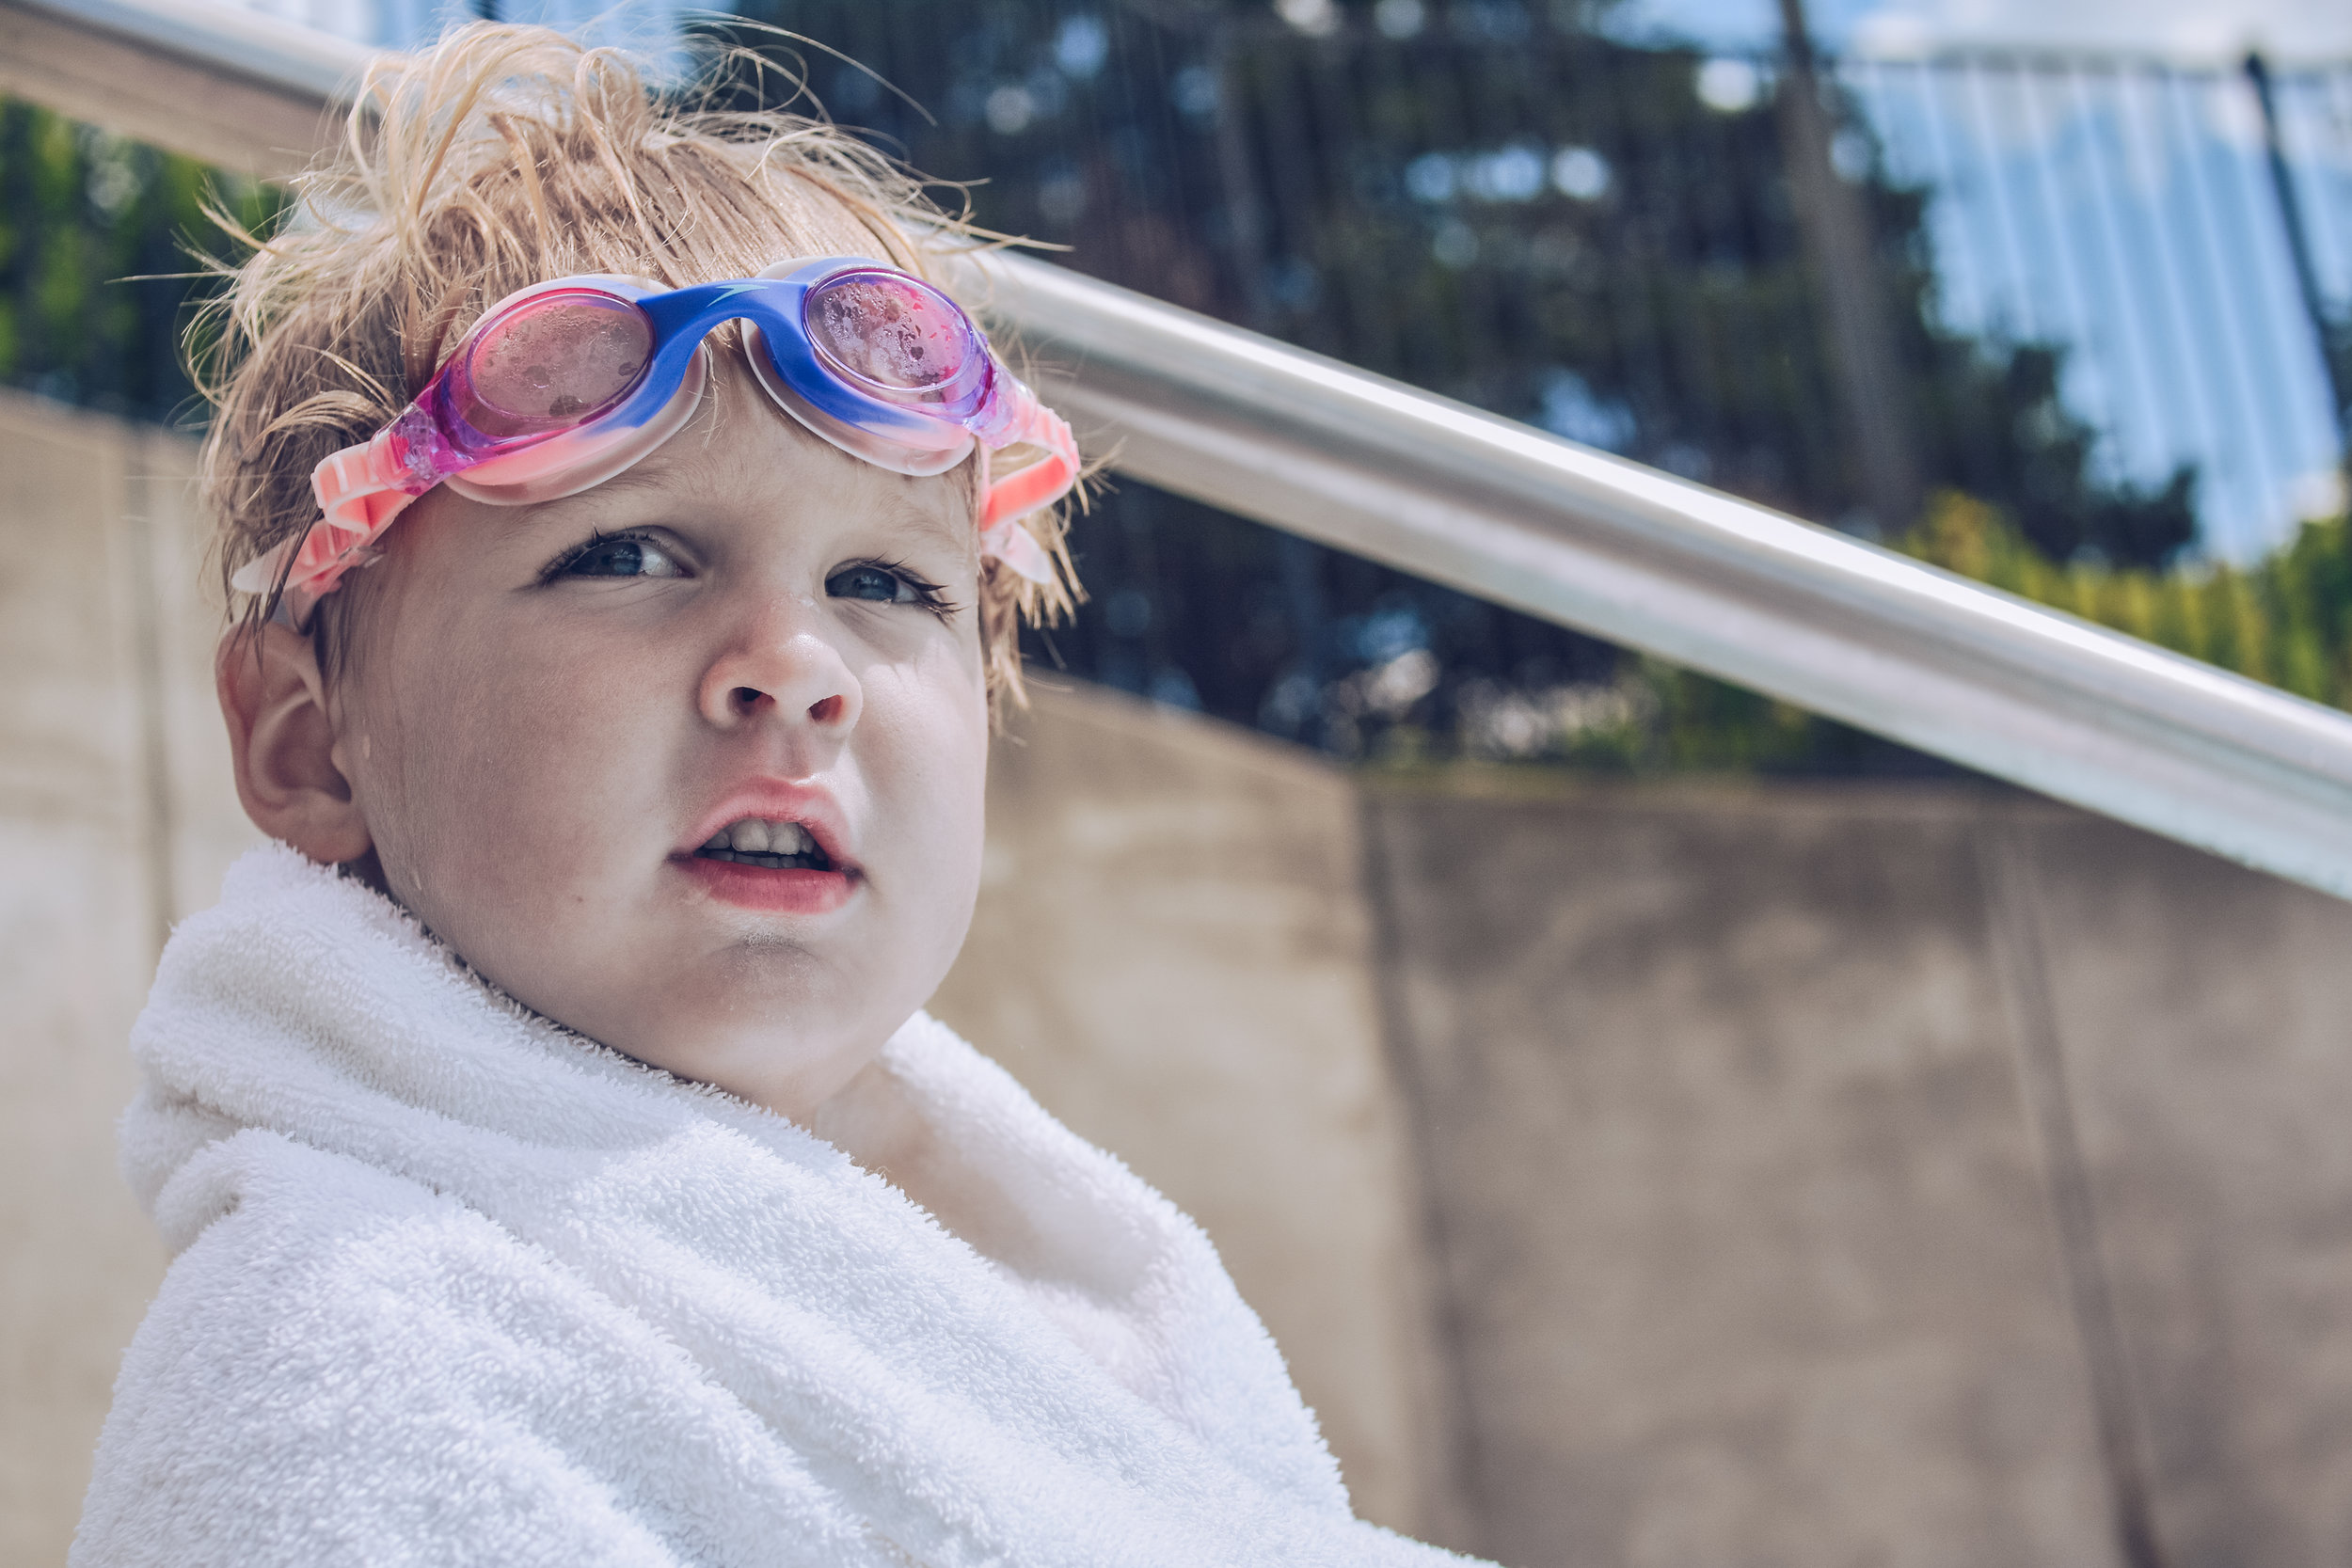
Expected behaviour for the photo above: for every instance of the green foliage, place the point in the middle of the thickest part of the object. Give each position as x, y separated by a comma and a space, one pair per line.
1346, 193
95, 240
2286, 620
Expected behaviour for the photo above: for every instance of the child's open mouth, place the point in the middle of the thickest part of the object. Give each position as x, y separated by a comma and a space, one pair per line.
775, 846
774, 866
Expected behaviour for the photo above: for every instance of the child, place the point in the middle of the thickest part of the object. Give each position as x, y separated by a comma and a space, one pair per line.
557, 1165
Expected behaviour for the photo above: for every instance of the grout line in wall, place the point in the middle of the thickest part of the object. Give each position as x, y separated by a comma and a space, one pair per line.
1453, 1505
2012, 905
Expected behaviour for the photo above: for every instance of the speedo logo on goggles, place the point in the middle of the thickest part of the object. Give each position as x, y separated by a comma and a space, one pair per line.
563, 385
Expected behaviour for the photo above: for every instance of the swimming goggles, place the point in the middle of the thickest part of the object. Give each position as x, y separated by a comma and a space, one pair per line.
563, 385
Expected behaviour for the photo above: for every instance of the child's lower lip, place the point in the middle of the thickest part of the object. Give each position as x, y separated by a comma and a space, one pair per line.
793, 891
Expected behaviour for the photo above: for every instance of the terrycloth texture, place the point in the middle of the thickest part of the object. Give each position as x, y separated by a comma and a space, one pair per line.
453, 1286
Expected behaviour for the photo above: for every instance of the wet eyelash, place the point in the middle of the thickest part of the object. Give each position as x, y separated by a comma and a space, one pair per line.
564, 562
931, 596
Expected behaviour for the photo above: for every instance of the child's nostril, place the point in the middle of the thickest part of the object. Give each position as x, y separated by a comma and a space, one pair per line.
746, 697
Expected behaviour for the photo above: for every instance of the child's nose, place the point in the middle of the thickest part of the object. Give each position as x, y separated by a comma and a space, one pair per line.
797, 677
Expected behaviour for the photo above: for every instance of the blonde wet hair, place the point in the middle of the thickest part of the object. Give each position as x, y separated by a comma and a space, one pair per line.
501, 157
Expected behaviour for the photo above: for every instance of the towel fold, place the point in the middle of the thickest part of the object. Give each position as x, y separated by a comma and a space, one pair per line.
453, 1286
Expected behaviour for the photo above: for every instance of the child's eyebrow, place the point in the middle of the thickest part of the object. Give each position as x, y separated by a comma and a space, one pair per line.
948, 533
624, 482
956, 534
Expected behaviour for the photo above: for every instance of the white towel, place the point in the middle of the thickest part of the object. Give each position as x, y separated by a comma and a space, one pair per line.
454, 1286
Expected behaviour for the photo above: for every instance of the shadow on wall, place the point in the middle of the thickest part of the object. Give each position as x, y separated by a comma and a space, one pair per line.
1690, 1175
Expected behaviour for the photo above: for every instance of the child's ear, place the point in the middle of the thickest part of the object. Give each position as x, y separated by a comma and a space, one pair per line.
282, 741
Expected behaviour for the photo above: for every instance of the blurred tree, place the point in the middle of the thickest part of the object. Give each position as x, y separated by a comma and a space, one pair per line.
2286, 620
1495, 201
1499, 203
94, 237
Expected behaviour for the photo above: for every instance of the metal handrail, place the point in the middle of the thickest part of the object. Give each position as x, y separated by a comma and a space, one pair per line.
1512, 514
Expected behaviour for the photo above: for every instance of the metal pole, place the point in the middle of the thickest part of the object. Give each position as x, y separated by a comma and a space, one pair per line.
1512, 514
1836, 232
1244, 218
2335, 341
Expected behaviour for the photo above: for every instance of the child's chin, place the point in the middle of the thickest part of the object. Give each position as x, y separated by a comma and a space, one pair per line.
790, 890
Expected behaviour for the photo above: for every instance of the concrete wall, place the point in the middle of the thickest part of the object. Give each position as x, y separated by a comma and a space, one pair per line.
1875, 1175
1706, 1175
115, 805
1748, 1256
2206, 1021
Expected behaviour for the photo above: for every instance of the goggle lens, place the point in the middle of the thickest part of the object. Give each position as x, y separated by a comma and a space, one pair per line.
893, 336
552, 362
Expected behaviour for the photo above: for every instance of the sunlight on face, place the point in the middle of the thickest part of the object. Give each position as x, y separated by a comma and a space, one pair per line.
691, 761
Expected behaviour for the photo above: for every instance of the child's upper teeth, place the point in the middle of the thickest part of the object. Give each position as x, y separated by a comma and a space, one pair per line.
755, 836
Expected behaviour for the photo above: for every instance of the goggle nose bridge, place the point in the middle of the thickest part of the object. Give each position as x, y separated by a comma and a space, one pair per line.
683, 320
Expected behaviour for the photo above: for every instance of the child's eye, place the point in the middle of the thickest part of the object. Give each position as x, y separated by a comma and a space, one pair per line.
883, 585
625, 556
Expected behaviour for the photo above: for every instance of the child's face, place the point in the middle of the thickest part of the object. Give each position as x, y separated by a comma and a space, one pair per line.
551, 709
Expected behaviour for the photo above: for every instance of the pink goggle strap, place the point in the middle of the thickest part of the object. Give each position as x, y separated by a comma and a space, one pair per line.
360, 490
1029, 488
